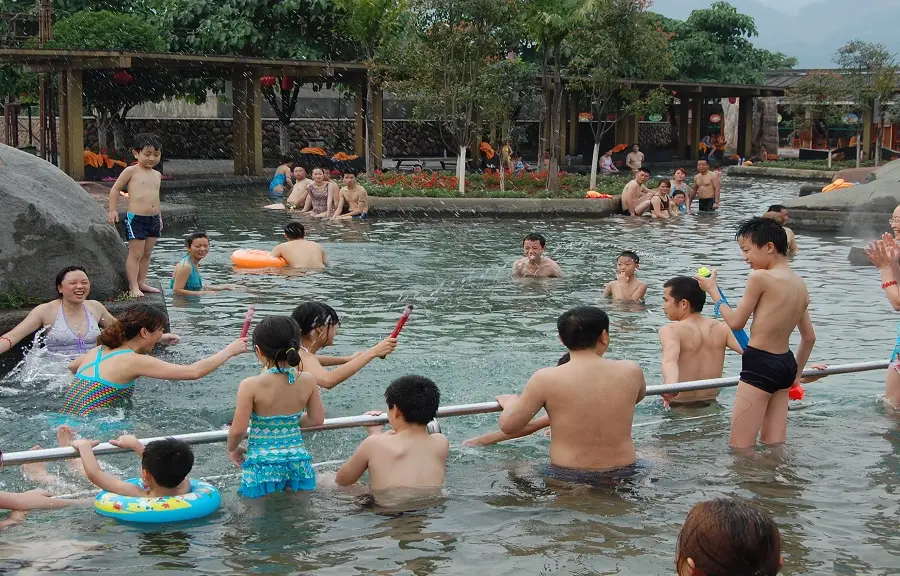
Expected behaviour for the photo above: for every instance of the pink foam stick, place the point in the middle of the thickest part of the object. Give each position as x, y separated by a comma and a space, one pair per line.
247, 319
403, 318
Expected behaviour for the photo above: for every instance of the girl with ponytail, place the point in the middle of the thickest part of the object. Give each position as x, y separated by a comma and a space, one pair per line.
106, 374
274, 406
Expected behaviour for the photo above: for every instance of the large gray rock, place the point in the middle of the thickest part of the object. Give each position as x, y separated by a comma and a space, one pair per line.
881, 195
49, 222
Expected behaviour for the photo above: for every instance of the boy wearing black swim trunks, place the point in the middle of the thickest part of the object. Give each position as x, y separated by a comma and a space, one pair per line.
778, 300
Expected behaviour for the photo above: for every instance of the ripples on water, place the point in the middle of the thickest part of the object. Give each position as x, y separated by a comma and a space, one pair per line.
833, 489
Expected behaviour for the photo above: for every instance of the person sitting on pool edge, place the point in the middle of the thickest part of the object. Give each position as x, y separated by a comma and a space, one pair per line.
165, 465
407, 456
590, 400
626, 286
534, 264
299, 252
780, 214
356, 198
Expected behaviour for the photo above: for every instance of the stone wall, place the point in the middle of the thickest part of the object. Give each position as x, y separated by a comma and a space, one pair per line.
656, 135
212, 138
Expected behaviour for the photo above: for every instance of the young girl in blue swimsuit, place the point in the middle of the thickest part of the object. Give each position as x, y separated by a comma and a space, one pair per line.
270, 410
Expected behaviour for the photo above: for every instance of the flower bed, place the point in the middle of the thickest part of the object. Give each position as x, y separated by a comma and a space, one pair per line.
486, 185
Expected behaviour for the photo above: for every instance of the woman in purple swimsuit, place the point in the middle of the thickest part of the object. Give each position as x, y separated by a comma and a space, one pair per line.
319, 200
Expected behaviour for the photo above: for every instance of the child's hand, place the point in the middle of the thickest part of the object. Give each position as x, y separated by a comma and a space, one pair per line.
169, 339
237, 347
128, 441
112, 217
385, 347
83, 444
708, 284
669, 397
237, 456
40, 492
507, 399
375, 429
808, 379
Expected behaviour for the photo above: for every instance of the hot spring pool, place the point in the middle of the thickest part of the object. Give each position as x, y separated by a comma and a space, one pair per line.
833, 489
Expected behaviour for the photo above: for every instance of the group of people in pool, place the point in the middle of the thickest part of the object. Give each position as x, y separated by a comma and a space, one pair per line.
672, 197
319, 196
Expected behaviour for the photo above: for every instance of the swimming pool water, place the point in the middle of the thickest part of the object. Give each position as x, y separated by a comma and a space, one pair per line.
833, 489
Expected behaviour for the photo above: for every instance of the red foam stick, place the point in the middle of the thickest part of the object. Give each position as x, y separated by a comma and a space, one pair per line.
403, 318
247, 319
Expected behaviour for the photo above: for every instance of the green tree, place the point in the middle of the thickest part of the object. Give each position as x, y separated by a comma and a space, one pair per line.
714, 45
442, 64
618, 39
112, 94
369, 23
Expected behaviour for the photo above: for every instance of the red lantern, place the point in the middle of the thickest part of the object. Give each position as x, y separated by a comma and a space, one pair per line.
287, 83
732, 100
267, 81
122, 78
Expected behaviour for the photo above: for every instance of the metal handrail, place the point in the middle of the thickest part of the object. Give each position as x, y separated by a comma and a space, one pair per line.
211, 436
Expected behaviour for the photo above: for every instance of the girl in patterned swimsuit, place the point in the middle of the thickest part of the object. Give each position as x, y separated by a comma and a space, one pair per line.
270, 410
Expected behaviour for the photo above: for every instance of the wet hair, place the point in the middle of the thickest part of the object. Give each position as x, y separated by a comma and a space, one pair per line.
727, 537
761, 231
353, 173
146, 140
278, 338
776, 208
189, 241
294, 230
682, 170
703, 160
629, 254
168, 461
665, 183
128, 325
61, 275
644, 170
535, 237
684, 288
679, 193
564, 359
417, 398
287, 159
635, 144
581, 327
318, 168
312, 315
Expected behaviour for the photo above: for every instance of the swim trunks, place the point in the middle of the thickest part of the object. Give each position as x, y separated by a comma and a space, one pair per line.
139, 227
596, 478
627, 212
362, 216
767, 371
707, 204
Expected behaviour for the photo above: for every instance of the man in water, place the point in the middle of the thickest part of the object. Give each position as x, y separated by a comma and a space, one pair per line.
693, 346
636, 196
780, 214
534, 264
635, 158
706, 187
299, 252
297, 197
355, 196
590, 400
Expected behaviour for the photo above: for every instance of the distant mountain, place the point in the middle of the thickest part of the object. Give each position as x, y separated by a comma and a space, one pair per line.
811, 30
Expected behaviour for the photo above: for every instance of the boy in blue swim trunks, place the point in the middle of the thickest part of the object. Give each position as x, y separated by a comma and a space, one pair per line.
356, 198
778, 300
143, 221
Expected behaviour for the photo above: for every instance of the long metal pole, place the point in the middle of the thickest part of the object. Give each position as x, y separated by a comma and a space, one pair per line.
457, 410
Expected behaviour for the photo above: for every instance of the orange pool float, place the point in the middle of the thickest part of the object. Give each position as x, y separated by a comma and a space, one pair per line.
256, 259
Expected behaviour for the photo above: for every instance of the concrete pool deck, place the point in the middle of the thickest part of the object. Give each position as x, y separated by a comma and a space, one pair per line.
773, 172
381, 206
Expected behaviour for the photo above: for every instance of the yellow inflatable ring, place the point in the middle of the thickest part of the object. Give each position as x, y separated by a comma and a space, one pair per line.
256, 259
202, 500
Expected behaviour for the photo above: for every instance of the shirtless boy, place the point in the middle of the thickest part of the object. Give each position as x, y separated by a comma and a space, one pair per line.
298, 192
706, 187
356, 198
626, 286
780, 214
589, 400
636, 196
635, 158
143, 221
693, 346
777, 299
407, 456
535, 264
299, 252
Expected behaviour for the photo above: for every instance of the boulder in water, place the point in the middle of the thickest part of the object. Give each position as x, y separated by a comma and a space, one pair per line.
50, 222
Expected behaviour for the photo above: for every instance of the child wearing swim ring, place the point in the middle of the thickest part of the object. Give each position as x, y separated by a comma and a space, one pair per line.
318, 327
273, 407
186, 279
106, 374
726, 537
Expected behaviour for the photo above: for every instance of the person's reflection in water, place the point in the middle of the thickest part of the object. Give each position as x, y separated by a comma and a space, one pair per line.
427, 552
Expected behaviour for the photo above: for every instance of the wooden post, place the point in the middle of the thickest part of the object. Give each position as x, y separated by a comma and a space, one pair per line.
239, 123
696, 124
562, 130
254, 127
359, 121
745, 127
71, 134
378, 137
573, 126
868, 137
683, 132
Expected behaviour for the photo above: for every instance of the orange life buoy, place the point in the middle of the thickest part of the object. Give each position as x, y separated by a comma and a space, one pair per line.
256, 259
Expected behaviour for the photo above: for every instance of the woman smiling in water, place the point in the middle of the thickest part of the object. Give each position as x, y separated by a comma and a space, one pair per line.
186, 279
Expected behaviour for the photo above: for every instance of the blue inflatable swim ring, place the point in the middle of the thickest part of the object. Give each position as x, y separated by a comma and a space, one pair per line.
202, 500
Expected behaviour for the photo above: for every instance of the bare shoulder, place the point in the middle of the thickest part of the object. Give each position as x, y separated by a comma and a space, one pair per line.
440, 442
627, 367
305, 379
93, 305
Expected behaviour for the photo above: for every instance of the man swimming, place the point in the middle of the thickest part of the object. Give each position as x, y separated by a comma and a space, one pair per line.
706, 187
693, 347
534, 264
299, 252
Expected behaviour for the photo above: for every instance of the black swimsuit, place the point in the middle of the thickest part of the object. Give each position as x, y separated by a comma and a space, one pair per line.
767, 371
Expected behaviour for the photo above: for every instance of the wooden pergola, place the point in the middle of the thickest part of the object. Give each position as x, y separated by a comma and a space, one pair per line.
243, 72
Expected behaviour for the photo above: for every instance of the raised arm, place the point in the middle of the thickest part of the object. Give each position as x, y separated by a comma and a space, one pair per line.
737, 318
100, 478
331, 378
152, 367
29, 325
884, 254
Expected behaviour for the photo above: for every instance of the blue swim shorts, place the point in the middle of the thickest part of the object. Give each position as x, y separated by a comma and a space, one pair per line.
139, 227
